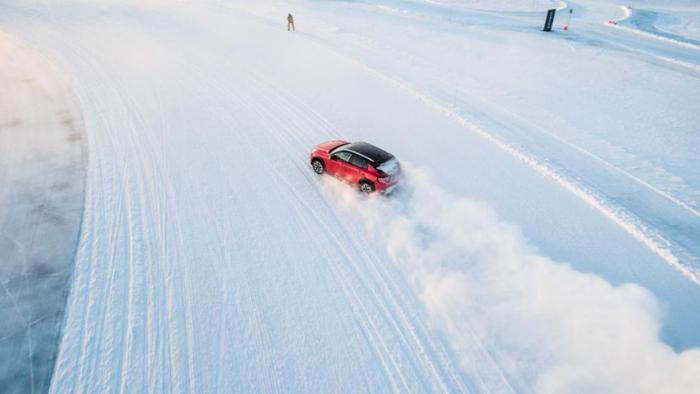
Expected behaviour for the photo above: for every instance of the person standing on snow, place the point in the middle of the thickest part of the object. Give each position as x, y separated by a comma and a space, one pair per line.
290, 23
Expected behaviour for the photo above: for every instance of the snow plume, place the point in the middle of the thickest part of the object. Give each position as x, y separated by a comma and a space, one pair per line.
516, 320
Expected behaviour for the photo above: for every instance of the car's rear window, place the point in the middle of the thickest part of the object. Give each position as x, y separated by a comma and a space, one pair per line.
390, 167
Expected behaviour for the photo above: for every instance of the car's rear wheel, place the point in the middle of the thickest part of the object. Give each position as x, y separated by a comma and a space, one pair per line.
366, 187
318, 166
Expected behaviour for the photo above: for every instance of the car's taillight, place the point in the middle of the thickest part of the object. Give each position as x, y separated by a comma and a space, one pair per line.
385, 179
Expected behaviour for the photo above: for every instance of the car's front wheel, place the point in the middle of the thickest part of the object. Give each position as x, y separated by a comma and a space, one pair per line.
318, 166
366, 187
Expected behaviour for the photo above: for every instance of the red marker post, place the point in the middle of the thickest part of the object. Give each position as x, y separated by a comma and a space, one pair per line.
568, 21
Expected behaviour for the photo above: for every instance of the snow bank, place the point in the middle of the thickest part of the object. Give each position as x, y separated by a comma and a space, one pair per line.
499, 5
642, 22
518, 320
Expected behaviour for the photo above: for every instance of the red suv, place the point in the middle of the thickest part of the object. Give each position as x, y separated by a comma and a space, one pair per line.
359, 163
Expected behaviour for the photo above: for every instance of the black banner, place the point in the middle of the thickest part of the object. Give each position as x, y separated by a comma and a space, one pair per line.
550, 20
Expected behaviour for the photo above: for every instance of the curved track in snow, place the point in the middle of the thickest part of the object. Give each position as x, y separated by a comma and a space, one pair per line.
212, 258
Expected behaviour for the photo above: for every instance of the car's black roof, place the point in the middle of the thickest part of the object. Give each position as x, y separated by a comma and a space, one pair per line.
370, 151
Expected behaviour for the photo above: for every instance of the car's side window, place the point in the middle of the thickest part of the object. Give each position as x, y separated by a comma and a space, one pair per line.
359, 161
342, 155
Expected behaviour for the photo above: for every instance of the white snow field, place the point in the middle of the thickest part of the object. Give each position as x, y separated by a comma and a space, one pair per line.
546, 237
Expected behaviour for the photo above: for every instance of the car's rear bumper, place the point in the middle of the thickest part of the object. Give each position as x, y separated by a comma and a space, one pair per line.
387, 189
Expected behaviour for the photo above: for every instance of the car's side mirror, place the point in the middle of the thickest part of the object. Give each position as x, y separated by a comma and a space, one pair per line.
334, 157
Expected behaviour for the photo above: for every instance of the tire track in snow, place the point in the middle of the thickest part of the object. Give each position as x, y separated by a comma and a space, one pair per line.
186, 292
223, 236
88, 325
282, 128
262, 337
367, 254
91, 334
90, 341
366, 321
494, 371
173, 351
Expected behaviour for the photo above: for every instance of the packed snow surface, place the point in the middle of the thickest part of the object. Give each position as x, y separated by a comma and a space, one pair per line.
546, 237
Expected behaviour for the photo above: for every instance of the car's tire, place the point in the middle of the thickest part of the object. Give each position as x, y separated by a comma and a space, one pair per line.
366, 187
318, 166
